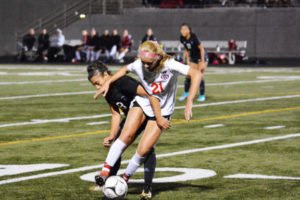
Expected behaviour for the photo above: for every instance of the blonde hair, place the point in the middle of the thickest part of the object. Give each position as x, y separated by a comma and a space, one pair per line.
153, 47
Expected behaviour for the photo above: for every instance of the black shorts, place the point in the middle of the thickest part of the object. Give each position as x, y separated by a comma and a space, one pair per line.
198, 59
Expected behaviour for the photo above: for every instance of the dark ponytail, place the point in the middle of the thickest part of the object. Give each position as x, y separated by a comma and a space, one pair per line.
95, 68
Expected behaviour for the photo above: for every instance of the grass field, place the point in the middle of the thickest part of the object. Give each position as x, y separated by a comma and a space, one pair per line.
47, 115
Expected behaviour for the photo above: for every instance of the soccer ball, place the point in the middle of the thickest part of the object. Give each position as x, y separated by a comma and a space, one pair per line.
115, 187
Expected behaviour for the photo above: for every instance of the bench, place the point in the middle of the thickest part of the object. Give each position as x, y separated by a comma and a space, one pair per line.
174, 47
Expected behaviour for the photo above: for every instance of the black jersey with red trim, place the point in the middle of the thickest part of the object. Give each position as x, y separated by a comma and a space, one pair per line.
191, 45
121, 93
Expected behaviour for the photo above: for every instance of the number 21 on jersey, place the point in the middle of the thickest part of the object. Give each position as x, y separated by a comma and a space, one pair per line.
157, 88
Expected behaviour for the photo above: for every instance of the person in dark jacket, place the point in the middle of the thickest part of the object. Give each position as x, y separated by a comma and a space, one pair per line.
43, 44
115, 43
27, 44
149, 36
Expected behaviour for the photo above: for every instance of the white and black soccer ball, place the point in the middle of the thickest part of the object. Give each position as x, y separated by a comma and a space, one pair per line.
115, 187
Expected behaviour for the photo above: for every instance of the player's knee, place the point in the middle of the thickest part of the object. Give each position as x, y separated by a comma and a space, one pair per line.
142, 151
127, 137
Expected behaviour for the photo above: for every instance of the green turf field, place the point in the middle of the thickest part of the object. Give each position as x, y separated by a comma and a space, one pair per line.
47, 116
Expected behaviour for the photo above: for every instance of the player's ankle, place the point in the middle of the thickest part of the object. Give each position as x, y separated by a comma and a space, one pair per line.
126, 177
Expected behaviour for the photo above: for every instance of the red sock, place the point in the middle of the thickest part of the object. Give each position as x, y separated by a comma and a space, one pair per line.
126, 177
105, 170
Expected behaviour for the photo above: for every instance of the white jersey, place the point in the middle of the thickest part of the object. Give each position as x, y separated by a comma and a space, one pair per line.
162, 85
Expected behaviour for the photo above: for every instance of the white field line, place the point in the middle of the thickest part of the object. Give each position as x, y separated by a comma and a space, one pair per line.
38, 121
39, 82
88, 92
274, 127
97, 123
241, 101
47, 95
80, 68
244, 82
259, 176
86, 168
214, 126
177, 107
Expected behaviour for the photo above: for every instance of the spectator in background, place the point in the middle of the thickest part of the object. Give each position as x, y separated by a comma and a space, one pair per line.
126, 45
43, 44
115, 41
29, 40
83, 48
149, 36
27, 45
94, 44
104, 44
56, 43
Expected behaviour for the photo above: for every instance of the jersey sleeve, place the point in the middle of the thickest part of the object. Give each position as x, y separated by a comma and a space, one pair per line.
128, 85
178, 67
133, 66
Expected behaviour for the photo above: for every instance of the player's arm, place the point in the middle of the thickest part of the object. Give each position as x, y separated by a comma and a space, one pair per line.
202, 55
187, 56
104, 89
162, 122
114, 127
196, 77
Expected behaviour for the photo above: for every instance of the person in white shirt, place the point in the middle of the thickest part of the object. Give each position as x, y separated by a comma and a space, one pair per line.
56, 43
158, 74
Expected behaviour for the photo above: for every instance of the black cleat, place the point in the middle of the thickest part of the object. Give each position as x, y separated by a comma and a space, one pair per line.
100, 180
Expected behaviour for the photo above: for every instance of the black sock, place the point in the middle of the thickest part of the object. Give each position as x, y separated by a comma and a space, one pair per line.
202, 87
149, 168
187, 84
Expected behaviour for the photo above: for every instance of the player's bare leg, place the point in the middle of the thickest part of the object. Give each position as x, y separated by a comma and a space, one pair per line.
134, 120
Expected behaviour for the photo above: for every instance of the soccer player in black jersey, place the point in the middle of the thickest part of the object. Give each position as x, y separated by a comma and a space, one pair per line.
195, 56
119, 97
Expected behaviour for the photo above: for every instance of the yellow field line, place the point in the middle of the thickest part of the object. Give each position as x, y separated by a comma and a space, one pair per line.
176, 122
239, 115
54, 137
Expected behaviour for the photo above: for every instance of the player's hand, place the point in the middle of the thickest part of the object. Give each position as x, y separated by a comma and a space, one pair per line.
103, 90
188, 110
108, 141
163, 123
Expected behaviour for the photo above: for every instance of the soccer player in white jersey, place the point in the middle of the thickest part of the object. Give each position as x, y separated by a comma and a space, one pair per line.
158, 74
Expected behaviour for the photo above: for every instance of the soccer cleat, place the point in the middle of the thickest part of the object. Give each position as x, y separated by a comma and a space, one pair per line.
183, 96
201, 98
147, 193
100, 179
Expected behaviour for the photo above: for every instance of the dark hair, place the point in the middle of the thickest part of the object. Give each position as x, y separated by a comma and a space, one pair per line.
95, 68
185, 24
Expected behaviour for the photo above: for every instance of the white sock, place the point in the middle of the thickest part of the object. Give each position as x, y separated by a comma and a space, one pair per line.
134, 164
77, 53
121, 55
115, 152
